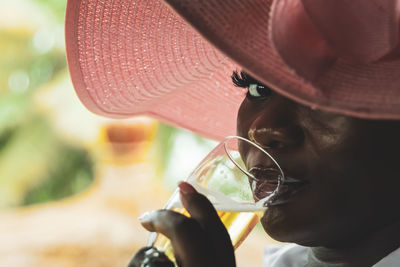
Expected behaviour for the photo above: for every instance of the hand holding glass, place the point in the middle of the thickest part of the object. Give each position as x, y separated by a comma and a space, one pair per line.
231, 184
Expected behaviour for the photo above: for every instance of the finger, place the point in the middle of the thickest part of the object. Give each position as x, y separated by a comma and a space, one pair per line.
201, 209
188, 240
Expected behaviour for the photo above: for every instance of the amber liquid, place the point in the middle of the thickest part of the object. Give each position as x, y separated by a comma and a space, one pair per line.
238, 224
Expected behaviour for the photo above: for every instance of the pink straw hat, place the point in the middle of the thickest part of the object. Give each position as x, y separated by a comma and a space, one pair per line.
129, 57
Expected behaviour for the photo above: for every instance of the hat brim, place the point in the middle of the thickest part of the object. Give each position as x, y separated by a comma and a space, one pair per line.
140, 57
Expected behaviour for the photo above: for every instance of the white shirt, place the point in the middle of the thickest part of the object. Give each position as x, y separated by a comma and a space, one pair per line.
296, 256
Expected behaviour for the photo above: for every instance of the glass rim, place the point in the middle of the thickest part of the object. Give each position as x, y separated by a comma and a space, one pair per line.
230, 137
281, 178
259, 204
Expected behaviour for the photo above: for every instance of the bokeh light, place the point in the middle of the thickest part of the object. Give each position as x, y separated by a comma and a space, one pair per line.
19, 81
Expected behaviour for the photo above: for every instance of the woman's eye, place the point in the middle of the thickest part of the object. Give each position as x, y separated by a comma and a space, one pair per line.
257, 90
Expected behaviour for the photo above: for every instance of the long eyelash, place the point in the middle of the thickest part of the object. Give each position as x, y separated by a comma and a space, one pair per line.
243, 79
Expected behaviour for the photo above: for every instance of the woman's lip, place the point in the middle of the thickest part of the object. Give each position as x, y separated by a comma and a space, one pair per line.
267, 182
270, 174
287, 193
267, 179
264, 188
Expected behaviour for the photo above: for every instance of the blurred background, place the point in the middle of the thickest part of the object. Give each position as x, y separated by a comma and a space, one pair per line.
72, 184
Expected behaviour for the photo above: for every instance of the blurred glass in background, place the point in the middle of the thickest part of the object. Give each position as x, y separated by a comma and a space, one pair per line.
72, 183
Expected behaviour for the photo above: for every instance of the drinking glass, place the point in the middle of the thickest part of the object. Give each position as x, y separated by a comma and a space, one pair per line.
239, 188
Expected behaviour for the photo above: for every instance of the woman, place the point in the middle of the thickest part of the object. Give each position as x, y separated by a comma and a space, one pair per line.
323, 96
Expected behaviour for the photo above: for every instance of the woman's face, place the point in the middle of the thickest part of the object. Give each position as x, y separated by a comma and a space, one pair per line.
345, 169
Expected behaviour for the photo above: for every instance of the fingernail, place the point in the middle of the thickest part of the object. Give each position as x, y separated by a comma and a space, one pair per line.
186, 188
145, 217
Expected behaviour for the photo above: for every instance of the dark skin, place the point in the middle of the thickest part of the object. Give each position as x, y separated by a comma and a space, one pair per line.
347, 213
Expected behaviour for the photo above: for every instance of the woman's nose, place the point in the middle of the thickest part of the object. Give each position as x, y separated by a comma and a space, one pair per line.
277, 128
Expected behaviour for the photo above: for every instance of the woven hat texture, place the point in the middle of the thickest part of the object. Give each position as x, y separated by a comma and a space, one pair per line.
173, 59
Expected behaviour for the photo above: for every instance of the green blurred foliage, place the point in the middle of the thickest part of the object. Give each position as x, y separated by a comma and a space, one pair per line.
56, 7
164, 143
36, 165
18, 55
178, 152
70, 173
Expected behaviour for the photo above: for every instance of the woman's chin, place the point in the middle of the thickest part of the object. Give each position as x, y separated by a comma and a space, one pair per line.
287, 230
291, 237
